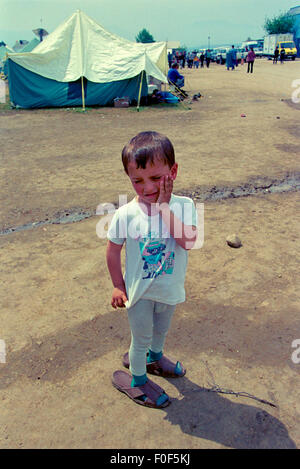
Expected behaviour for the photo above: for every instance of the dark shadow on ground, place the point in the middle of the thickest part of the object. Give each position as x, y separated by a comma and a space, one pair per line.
208, 415
199, 412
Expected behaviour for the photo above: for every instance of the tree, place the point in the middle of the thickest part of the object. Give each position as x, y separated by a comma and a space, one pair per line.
144, 36
284, 23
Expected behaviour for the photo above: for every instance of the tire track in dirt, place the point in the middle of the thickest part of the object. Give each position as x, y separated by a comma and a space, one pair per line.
256, 186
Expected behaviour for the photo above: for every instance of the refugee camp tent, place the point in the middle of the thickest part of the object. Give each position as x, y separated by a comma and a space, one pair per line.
80, 63
3, 51
31, 45
19, 44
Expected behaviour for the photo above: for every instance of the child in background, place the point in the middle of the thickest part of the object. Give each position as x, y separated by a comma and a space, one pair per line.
158, 228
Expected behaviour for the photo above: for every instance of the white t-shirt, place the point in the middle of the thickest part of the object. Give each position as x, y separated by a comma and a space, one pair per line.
155, 263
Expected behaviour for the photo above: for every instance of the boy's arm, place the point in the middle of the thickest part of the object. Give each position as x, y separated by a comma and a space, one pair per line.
185, 235
113, 259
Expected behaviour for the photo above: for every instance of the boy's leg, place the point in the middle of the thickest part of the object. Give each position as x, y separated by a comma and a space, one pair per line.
157, 361
140, 318
162, 317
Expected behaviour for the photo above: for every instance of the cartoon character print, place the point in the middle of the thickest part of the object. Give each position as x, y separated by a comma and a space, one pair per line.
156, 260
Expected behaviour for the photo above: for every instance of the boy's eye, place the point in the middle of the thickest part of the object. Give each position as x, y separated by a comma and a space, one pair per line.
156, 177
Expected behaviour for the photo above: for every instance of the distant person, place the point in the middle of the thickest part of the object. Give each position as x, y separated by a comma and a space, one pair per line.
196, 61
282, 56
230, 60
250, 60
233, 54
170, 58
207, 57
242, 58
182, 59
276, 55
175, 77
190, 60
201, 59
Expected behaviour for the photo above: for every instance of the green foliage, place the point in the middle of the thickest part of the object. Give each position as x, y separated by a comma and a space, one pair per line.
284, 23
144, 36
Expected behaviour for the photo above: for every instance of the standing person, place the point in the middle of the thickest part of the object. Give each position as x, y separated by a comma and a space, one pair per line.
207, 57
242, 57
158, 228
190, 60
276, 54
233, 55
196, 61
183, 58
201, 59
250, 59
282, 55
229, 60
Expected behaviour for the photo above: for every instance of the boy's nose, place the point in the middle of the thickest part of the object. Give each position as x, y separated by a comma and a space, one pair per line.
149, 187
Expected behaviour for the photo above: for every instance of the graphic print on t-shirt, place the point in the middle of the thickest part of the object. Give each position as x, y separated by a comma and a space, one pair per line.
156, 260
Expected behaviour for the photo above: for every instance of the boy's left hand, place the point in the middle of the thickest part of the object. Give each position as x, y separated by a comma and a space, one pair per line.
165, 191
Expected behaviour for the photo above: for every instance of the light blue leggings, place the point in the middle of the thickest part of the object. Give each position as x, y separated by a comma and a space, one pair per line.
149, 323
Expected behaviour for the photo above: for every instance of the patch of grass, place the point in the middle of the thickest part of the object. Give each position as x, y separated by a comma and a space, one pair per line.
80, 109
5, 106
157, 106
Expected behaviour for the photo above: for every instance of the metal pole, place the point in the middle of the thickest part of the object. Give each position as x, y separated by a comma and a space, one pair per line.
82, 92
140, 91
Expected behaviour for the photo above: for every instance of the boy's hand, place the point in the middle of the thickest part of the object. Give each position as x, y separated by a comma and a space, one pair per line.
165, 191
119, 298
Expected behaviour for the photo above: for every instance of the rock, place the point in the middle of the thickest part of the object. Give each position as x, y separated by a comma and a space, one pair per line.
233, 241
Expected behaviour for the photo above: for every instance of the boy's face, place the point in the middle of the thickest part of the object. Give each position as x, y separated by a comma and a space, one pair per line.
146, 182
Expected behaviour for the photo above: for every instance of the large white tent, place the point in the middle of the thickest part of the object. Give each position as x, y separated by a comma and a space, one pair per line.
82, 49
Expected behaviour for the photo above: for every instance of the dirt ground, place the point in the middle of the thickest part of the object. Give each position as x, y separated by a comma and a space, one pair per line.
235, 330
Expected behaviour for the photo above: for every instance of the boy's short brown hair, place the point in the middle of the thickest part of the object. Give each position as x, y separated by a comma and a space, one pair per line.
146, 146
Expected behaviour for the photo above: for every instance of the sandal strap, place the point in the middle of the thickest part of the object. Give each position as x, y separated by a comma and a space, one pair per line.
164, 364
152, 391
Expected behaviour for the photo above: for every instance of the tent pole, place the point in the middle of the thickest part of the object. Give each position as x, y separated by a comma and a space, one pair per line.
140, 91
82, 92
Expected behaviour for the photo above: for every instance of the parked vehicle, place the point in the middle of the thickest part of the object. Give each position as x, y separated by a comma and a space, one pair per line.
220, 56
283, 41
213, 54
257, 46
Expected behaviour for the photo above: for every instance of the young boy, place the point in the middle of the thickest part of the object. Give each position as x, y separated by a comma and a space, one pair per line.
158, 228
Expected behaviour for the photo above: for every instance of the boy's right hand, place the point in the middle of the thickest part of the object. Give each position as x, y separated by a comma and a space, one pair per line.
119, 298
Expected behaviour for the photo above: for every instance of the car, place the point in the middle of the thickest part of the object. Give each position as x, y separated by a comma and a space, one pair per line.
221, 54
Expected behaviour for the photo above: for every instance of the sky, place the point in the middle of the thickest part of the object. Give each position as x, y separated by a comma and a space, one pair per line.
194, 23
